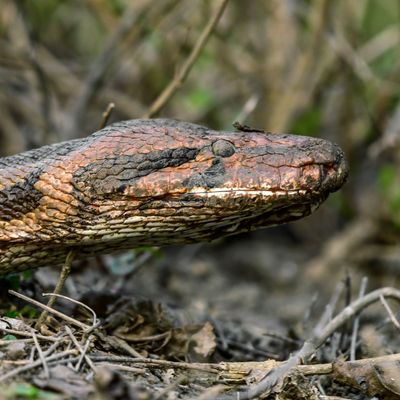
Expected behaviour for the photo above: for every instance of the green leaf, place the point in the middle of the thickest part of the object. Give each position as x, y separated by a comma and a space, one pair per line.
387, 177
28, 391
389, 186
29, 312
11, 314
9, 337
308, 123
201, 99
25, 390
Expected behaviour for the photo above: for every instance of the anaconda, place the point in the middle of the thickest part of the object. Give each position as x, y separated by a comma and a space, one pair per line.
156, 182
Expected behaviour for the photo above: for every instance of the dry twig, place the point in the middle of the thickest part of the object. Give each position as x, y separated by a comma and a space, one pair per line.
27, 334
36, 364
59, 314
277, 375
100, 65
390, 312
106, 115
95, 320
356, 323
183, 72
41, 355
66, 269
81, 350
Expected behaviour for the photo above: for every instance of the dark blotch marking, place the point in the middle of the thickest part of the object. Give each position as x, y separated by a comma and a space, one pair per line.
121, 189
211, 177
20, 199
113, 175
45, 153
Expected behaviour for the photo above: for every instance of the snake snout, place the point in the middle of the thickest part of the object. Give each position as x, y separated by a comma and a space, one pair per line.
336, 170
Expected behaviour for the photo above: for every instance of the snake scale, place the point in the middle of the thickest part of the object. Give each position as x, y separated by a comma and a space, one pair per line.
156, 182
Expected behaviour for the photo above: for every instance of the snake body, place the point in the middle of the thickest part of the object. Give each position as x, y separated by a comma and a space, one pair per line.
156, 182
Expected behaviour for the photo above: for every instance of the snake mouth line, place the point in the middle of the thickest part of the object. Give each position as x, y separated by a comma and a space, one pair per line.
227, 192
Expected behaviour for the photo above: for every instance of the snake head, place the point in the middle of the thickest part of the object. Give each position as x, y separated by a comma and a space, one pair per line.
156, 182
203, 180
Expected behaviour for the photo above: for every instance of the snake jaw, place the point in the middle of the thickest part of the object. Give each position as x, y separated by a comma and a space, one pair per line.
295, 192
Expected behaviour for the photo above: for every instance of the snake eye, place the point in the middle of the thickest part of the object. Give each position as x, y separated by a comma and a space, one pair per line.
223, 148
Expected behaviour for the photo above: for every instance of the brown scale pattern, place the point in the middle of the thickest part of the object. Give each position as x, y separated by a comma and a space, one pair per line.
156, 182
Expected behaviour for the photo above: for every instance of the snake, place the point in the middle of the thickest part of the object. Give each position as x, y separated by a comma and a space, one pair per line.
156, 182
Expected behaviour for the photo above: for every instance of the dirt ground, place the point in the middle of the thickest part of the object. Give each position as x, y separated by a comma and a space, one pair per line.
253, 297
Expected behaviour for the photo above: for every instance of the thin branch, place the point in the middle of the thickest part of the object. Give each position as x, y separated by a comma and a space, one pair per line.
340, 247
363, 289
121, 345
66, 80
41, 355
330, 307
248, 108
59, 339
205, 367
106, 115
358, 65
182, 74
100, 65
66, 269
27, 334
277, 375
119, 367
95, 320
35, 364
79, 347
390, 312
83, 355
228, 371
59, 314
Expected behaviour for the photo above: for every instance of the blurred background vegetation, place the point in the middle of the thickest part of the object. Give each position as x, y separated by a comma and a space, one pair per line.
321, 68
327, 68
